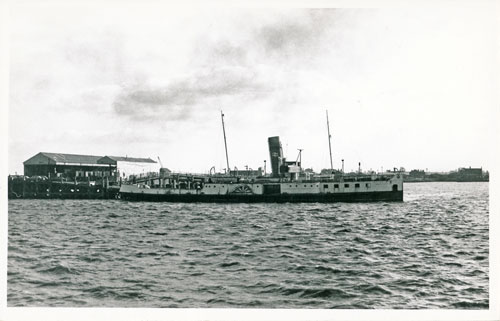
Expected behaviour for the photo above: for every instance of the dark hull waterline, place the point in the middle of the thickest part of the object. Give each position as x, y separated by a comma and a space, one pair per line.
390, 196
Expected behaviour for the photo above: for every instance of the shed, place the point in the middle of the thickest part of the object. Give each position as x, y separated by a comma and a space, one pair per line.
66, 165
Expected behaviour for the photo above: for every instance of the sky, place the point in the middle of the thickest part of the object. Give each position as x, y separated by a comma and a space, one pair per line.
407, 86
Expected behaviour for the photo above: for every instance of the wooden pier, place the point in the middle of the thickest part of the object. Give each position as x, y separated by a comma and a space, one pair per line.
23, 187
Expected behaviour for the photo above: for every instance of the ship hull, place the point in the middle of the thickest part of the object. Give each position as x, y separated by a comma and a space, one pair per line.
384, 196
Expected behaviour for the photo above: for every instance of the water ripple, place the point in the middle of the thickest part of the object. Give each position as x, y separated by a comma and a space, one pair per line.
430, 251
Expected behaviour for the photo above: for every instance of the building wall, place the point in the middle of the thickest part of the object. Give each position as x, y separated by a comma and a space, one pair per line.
80, 172
126, 169
39, 170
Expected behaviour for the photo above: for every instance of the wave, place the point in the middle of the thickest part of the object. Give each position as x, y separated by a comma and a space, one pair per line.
475, 290
414, 283
60, 269
476, 273
90, 259
158, 233
361, 240
284, 255
471, 305
43, 284
229, 264
216, 300
346, 271
374, 289
317, 293
145, 254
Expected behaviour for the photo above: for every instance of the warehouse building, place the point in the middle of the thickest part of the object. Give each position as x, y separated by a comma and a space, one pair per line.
88, 167
66, 165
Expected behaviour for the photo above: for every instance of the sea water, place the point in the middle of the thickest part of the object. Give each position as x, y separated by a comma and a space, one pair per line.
430, 251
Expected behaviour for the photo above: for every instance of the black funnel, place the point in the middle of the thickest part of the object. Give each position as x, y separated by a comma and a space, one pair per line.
276, 155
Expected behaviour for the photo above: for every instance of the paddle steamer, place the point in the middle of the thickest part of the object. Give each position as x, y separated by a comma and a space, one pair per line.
287, 183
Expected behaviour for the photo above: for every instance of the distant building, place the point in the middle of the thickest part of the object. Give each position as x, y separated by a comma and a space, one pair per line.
470, 174
460, 175
87, 167
417, 173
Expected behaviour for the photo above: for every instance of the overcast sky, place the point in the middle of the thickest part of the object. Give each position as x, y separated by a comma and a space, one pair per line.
408, 86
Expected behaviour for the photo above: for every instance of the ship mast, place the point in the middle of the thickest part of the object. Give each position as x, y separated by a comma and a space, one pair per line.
329, 141
225, 143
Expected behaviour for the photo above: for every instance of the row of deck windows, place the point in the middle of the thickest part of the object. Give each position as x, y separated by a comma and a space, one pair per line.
324, 186
346, 185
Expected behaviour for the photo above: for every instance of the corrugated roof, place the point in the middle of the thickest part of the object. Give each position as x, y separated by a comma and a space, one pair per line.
130, 159
72, 158
82, 159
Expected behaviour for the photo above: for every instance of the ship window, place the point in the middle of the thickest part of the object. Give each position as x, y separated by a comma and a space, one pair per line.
325, 186
290, 185
305, 185
296, 185
367, 185
311, 186
346, 185
335, 185
356, 185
